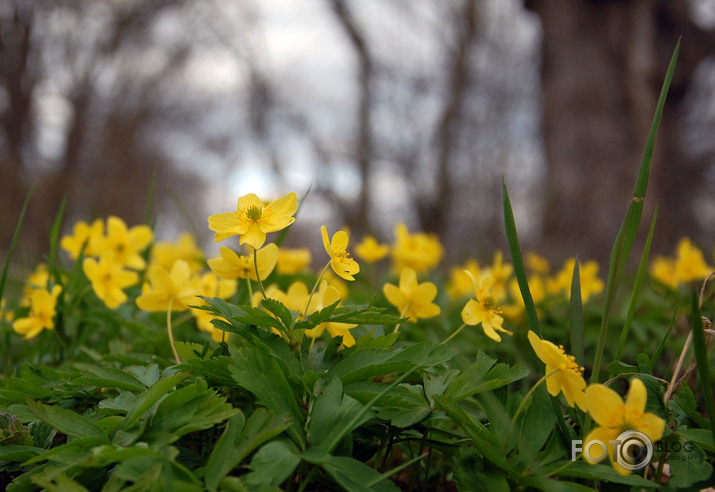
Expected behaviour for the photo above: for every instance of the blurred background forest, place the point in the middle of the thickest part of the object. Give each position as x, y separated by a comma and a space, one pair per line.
388, 110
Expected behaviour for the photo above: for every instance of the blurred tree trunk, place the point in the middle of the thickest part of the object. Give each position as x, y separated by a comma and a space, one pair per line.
603, 65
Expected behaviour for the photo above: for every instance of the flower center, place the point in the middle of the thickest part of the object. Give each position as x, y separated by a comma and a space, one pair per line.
254, 213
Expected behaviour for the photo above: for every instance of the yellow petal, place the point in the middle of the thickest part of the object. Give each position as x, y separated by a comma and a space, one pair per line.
603, 403
326, 240
427, 311
153, 301
395, 296
473, 313
340, 241
490, 332
553, 383
424, 293
408, 280
225, 223
266, 259
249, 200
637, 396
595, 454
141, 236
652, 426
254, 237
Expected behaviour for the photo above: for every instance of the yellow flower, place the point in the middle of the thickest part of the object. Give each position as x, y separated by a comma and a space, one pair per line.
460, 283
83, 233
663, 270
230, 266
344, 266
293, 260
615, 417
327, 295
411, 298
370, 251
108, 278
36, 280
43, 305
175, 289
209, 285
501, 272
127, 244
689, 263
537, 263
252, 219
484, 310
567, 375
165, 253
588, 273
419, 251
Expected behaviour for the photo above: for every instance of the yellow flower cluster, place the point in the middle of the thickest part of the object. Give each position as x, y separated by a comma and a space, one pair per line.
688, 265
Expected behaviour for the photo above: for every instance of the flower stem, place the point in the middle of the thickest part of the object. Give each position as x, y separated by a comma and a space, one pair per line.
250, 291
402, 315
454, 334
258, 276
310, 298
523, 404
168, 329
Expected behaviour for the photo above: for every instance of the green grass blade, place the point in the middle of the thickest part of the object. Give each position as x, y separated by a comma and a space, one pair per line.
661, 345
55, 241
576, 315
642, 267
13, 242
518, 261
626, 235
701, 357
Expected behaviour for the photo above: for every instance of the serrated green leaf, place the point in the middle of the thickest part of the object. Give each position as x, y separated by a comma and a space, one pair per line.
688, 466
108, 377
483, 375
273, 464
279, 311
331, 409
66, 421
404, 406
149, 397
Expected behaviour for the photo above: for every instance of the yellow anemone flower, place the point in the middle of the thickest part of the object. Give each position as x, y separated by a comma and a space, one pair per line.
567, 375
253, 219
411, 298
231, 266
615, 417
370, 250
42, 312
690, 264
108, 278
293, 260
418, 250
127, 244
83, 233
344, 266
484, 309
175, 289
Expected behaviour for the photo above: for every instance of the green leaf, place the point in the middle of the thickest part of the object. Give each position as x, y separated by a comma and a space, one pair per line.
355, 476
238, 441
331, 409
273, 464
701, 356
108, 377
368, 363
471, 474
484, 441
404, 406
256, 370
483, 376
689, 465
280, 311
149, 397
536, 425
66, 421
317, 317
518, 262
603, 472
437, 383
16, 452
626, 235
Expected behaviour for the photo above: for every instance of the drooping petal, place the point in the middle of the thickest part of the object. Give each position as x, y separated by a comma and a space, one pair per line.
602, 403
490, 332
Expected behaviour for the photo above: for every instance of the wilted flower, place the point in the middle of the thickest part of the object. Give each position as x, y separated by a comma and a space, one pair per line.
253, 219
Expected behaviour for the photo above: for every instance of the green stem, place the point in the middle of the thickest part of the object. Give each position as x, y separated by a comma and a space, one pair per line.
402, 315
310, 298
250, 291
258, 277
523, 404
453, 334
168, 329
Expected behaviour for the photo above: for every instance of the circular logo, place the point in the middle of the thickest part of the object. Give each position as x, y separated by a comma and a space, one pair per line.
633, 450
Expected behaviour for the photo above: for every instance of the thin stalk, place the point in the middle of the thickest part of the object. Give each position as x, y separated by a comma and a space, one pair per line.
168, 329
310, 298
402, 315
258, 277
523, 404
454, 334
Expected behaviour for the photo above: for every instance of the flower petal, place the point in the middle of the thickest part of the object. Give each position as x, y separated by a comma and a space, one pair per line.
603, 403
326, 240
254, 237
473, 313
637, 396
395, 296
652, 426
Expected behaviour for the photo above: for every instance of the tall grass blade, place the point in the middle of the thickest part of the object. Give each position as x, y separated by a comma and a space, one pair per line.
55, 241
626, 235
518, 261
576, 315
13, 242
701, 357
642, 267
